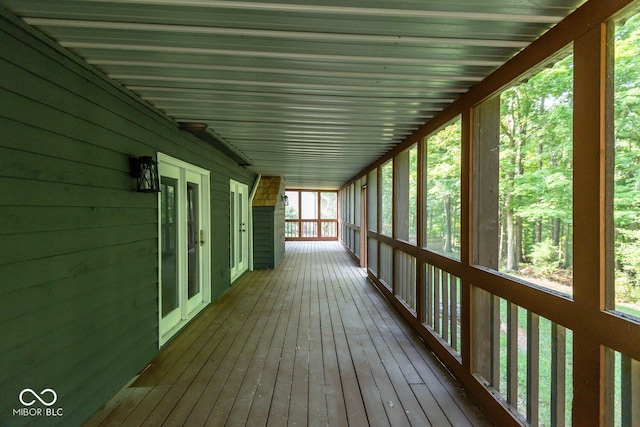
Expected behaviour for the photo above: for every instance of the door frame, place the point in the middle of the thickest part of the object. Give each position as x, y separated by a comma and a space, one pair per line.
239, 189
186, 172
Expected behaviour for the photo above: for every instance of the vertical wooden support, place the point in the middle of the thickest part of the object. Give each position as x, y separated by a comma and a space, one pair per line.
558, 375
394, 219
466, 298
364, 227
401, 195
630, 391
379, 217
428, 294
454, 311
485, 188
533, 368
318, 210
609, 386
512, 354
420, 230
436, 299
484, 232
446, 277
589, 220
609, 167
414, 273
495, 341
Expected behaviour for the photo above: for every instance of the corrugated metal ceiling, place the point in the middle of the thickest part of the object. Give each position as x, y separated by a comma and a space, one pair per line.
313, 91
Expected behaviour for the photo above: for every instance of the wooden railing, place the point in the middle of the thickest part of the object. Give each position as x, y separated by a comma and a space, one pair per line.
315, 229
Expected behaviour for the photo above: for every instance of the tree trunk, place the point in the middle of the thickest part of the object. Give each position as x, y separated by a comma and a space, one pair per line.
568, 255
556, 232
501, 253
538, 235
512, 255
448, 231
519, 248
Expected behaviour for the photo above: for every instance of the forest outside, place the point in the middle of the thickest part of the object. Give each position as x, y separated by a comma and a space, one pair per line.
534, 208
536, 157
627, 166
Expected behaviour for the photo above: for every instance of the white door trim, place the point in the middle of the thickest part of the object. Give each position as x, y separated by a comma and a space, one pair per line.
243, 251
185, 172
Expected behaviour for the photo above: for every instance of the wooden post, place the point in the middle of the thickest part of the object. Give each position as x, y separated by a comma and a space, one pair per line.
421, 277
485, 228
589, 221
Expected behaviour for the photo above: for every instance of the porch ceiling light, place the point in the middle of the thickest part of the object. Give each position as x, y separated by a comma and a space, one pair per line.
145, 170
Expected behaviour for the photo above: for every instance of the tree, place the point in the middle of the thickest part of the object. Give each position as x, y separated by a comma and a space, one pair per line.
627, 161
536, 167
443, 188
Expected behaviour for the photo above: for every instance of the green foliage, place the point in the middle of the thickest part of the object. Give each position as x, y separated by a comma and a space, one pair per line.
627, 161
628, 266
413, 194
443, 189
545, 257
536, 156
386, 190
328, 205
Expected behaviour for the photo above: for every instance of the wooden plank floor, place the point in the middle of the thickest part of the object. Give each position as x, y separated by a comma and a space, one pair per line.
311, 343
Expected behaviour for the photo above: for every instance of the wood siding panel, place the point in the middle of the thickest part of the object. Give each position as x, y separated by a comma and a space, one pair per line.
268, 224
263, 244
78, 246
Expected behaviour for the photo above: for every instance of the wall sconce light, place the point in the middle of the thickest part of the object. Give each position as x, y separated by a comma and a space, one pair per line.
285, 199
145, 170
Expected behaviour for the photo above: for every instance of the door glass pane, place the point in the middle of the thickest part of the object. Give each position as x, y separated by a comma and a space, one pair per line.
240, 229
193, 230
233, 229
169, 237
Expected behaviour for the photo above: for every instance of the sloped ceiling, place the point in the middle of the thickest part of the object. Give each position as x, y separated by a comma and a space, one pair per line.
313, 91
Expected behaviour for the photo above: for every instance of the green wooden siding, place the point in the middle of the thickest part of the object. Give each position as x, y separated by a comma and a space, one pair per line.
268, 236
263, 254
78, 247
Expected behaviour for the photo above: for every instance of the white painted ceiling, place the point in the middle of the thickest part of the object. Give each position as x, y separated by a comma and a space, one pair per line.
313, 91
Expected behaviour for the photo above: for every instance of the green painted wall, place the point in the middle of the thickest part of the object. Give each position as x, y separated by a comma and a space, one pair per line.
78, 247
263, 256
268, 236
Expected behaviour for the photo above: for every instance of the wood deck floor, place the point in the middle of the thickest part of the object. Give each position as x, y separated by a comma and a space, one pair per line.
311, 343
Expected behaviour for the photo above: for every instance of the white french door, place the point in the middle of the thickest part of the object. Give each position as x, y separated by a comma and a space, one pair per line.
239, 220
184, 255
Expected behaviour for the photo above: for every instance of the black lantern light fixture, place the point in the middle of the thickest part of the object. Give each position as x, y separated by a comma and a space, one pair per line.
285, 200
145, 170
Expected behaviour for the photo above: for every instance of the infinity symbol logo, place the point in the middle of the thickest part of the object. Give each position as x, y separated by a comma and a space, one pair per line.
36, 396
